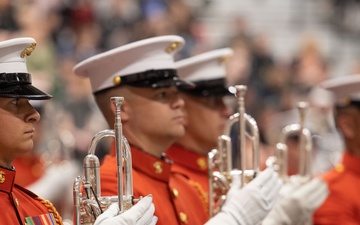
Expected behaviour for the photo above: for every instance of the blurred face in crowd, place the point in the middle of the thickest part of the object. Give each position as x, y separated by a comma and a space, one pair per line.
205, 119
152, 117
17, 119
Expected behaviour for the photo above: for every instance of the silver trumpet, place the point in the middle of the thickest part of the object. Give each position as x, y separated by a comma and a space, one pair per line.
220, 169
280, 161
88, 203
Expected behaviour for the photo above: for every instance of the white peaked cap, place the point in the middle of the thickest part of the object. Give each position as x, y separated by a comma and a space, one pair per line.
206, 66
15, 81
13, 54
207, 71
107, 69
344, 88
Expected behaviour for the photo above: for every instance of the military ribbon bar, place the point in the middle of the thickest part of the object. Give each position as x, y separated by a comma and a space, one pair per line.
44, 219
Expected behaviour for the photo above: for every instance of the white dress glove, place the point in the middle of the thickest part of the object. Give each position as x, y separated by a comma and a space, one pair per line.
141, 213
298, 203
251, 204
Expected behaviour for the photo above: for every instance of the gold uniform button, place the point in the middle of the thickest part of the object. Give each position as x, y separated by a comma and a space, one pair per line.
340, 168
175, 192
158, 167
2, 176
183, 217
201, 162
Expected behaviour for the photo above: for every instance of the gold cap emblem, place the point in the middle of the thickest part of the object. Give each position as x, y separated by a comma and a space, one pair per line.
2, 176
173, 46
27, 51
224, 58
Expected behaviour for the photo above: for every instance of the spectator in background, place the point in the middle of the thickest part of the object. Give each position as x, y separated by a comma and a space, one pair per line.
308, 68
8, 23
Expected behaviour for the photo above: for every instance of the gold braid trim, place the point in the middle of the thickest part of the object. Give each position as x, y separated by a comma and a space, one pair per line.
203, 195
51, 209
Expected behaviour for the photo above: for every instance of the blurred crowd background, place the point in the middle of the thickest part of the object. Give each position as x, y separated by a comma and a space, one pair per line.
282, 50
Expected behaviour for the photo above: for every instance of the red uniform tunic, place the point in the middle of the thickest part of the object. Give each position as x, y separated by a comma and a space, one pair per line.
176, 200
193, 165
19, 205
343, 204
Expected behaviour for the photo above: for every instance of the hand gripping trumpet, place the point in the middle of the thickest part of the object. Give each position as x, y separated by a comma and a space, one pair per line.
88, 204
280, 161
220, 169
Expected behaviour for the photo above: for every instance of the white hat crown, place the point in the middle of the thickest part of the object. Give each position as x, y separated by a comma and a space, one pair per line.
343, 88
155, 53
13, 54
206, 66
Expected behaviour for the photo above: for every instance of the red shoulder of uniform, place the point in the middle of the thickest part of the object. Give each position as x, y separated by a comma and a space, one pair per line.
334, 175
28, 192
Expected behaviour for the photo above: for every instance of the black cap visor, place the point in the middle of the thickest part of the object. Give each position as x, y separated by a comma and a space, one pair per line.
18, 85
174, 81
209, 88
155, 79
348, 102
23, 91
152, 79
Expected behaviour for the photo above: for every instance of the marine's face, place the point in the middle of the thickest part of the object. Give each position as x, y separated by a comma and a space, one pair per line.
205, 119
156, 114
17, 119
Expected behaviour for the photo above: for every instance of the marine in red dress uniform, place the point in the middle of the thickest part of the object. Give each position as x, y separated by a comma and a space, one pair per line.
152, 119
205, 116
343, 204
17, 116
